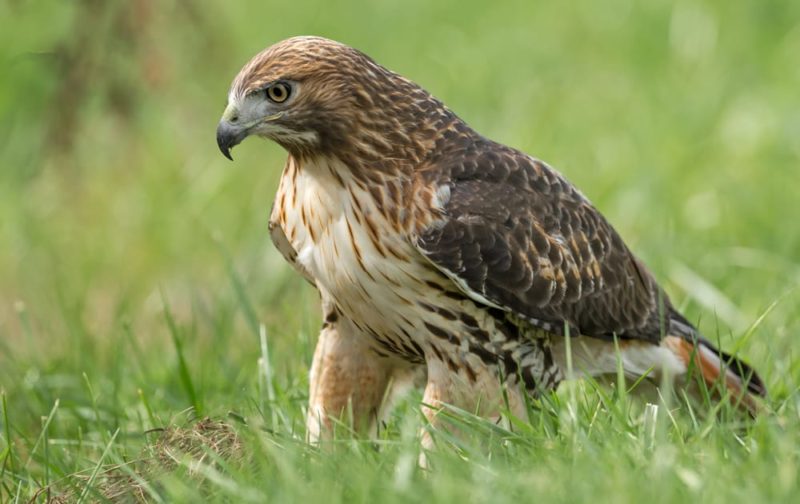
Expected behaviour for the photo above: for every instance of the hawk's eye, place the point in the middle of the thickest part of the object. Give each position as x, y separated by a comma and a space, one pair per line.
279, 92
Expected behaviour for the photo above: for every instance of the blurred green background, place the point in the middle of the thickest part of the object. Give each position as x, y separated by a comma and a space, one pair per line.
679, 120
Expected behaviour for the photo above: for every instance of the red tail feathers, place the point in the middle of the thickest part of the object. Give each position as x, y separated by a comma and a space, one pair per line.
718, 369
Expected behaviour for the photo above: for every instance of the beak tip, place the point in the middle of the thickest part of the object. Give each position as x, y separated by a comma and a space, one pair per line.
225, 141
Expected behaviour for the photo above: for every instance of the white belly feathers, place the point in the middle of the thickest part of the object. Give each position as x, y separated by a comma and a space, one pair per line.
371, 271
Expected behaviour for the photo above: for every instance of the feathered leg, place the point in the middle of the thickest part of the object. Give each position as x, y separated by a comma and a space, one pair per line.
347, 382
479, 391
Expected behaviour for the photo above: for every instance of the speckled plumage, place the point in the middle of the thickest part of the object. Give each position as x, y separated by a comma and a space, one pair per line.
440, 255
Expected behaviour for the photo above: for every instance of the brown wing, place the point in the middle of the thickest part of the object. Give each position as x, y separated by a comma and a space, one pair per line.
515, 234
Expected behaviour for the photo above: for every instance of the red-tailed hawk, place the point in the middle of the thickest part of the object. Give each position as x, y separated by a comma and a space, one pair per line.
438, 252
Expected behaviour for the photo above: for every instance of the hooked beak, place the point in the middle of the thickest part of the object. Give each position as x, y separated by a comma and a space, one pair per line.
230, 131
229, 135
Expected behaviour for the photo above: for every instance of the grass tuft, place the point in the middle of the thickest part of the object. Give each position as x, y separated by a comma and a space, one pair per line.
203, 446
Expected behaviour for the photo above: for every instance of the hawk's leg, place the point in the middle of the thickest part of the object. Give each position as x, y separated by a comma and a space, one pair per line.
348, 380
471, 386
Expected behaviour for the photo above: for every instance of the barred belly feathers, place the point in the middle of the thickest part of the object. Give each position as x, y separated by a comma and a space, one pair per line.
442, 258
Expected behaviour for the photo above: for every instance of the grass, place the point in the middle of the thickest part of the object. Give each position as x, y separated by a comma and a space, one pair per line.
154, 346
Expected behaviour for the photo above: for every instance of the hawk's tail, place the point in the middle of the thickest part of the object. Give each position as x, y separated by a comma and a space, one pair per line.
721, 372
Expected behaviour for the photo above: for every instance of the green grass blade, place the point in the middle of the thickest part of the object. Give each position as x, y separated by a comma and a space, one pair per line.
88, 488
183, 367
46, 426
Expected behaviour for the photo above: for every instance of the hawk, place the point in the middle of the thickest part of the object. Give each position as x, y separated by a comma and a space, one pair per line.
440, 254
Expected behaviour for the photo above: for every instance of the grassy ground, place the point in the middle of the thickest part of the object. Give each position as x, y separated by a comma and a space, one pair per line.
154, 345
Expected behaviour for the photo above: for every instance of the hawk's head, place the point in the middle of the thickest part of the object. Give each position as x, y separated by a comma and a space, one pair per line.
316, 96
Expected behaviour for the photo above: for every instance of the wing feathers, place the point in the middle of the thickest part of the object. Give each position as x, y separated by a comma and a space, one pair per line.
516, 233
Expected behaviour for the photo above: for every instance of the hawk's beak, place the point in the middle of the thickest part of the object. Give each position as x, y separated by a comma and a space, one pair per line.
229, 135
230, 131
